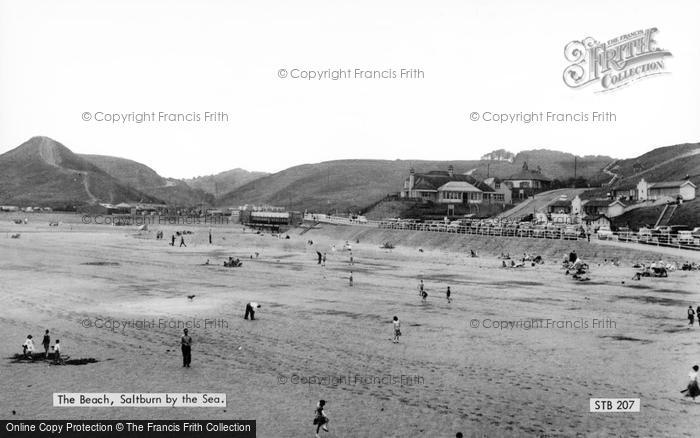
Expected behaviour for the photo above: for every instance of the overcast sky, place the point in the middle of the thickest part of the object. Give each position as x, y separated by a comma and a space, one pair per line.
59, 60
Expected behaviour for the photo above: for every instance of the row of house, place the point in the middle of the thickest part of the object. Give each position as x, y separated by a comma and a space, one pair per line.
621, 199
652, 191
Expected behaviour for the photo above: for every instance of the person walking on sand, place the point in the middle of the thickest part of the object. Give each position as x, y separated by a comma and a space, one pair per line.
350, 278
321, 419
448, 294
250, 310
421, 288
28, 348
424, 296
209, 236
172, 240
46, 342
397, 329
691, 315
182, 242
692, 390
186, 346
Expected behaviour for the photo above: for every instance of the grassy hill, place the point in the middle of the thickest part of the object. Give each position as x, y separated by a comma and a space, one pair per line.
686, 214
44, 172
146, 180
223, 182
354, 184
661, 164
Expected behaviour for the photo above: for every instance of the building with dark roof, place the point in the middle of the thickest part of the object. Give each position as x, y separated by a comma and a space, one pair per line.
527, 182
448, 187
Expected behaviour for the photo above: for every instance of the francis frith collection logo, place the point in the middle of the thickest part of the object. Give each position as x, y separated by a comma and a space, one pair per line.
616, 62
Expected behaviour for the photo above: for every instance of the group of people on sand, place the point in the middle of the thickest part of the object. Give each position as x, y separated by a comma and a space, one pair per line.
692, 314
423, 293
28, 348
654, 269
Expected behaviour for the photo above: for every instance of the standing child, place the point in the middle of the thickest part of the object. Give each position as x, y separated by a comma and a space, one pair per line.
397, 329
424, 296
46, 343
691, 315
321, 420
57, 352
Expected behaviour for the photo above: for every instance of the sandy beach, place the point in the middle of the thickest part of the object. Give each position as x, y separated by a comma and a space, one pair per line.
316, 337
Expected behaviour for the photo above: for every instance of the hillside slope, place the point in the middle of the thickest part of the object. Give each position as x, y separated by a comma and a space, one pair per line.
661, 164
224, 182
147, 180
44, 172
354, 184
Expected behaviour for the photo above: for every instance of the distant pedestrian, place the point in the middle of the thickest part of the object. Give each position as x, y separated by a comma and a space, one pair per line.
448, 293
350, 278
57, 352
421, 288
320, 256
172, 240
28, 348
697, 312
186, 346
46, 342
352, 260
691, 315
424, 296
323, 260
209, 236
397, 329
250, 310
182, 242
321, 419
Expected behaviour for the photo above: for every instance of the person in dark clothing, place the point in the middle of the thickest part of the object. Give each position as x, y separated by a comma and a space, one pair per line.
697, 312
250, 310
691, 315
320, 256
46, 343
209, 237
573, 257
186, 345
321, 420
448, 293
182, 242
172, 240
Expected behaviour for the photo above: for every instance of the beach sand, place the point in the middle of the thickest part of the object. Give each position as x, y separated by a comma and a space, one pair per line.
448, 375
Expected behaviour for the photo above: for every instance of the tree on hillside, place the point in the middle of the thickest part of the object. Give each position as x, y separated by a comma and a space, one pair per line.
499, 155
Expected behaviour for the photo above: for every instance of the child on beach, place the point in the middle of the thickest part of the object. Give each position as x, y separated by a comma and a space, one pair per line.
693, 390
321, 420
691, 315
28, 347
57, 352
46, 343
397, 329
